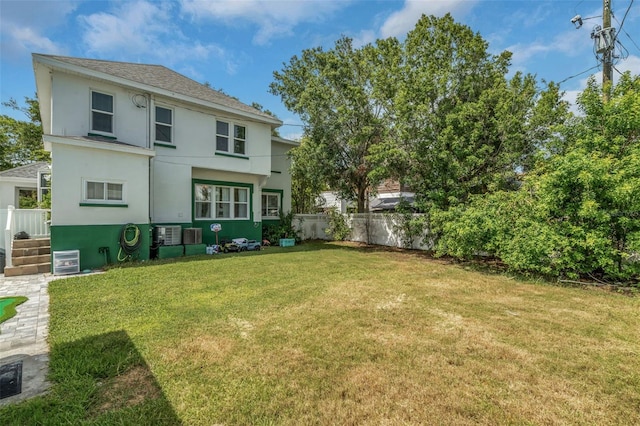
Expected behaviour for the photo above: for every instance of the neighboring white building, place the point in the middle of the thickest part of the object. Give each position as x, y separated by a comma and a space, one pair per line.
21, 180
142, 144
388, 195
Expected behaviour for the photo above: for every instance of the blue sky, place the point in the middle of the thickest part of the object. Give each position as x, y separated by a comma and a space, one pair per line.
237, 45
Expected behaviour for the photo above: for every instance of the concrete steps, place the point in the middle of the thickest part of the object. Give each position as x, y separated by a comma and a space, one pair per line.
32, 256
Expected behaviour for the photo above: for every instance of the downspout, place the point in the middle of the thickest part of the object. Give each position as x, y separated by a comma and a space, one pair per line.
151, 160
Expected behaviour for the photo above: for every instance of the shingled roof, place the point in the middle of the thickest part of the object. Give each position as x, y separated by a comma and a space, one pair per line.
28, 171
162, 78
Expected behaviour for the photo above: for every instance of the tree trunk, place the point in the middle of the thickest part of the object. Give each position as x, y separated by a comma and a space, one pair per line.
362, 200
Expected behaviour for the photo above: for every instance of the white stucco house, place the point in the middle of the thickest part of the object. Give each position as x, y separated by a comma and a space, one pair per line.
143, 145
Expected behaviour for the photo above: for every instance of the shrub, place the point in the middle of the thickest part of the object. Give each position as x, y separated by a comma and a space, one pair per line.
338, 228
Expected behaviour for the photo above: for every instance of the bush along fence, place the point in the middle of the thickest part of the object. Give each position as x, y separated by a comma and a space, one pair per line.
406, 230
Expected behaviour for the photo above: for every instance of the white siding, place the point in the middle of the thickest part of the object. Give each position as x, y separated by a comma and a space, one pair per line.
171, 192
72, 109
195, 142
9, 190
280, 163
72, 164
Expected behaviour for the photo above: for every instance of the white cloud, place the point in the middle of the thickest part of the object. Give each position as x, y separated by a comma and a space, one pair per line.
404, 20
632, 64
23, 26
570, 43
145, 29
363, 38
273, 18
25, 39
41, 13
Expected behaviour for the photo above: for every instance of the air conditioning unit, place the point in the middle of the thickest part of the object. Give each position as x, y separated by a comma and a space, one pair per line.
192, 235
167, 235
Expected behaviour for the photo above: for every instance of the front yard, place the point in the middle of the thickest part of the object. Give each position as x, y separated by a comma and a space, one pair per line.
332, 333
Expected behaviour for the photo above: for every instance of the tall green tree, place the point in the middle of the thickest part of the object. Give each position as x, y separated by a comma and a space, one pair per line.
459, 125
21, 141
333, 94
307, 181
578, 213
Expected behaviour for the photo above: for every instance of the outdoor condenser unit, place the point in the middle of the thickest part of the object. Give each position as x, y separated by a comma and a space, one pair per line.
167, 235
192, 236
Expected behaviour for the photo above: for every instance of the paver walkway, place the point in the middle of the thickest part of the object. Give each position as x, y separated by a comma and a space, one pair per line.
24, 337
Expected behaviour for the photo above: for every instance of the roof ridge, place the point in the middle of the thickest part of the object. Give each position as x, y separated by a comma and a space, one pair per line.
61, 57
24, 166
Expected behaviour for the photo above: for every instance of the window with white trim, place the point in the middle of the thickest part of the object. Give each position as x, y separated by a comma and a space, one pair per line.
270, 205
226, 143
221, 202
103, 192
44, 185
164, 124
101, 112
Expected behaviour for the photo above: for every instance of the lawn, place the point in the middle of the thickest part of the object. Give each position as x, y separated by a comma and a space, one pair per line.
331, 333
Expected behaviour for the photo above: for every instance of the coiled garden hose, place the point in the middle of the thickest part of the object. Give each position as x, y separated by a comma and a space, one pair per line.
128, 246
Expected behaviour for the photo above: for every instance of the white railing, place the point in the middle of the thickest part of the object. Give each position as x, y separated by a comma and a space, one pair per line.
35, 222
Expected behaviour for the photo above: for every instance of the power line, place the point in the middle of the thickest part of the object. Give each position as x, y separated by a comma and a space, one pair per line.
625, 31
580, 73
625, 14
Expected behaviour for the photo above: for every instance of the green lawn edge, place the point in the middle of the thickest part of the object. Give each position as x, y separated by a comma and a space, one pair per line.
8, 311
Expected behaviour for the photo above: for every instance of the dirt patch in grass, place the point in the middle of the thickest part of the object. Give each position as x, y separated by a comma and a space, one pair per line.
129, 389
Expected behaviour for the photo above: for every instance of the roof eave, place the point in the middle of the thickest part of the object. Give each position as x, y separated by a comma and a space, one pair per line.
64, 66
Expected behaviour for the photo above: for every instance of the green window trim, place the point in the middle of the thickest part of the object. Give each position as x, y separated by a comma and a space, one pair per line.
165, 145
100, 135
280, 192
103, 205
249, 186
224, 154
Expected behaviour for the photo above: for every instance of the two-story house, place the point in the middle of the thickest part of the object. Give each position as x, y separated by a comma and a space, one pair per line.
143, 145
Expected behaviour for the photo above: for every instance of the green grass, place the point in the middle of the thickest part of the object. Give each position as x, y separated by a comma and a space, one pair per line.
334, 334
8, 306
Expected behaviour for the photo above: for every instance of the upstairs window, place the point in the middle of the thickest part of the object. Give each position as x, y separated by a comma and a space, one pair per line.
237, 144
164, 125
222, 136
101, 112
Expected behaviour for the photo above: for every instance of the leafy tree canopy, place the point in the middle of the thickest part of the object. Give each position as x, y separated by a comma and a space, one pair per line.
435, 111
21, 141
578, 213
459, 126
333, 94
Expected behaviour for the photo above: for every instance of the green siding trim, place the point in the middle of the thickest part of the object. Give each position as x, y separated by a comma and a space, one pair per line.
113, 138
242, 157
103, 205
90, 238
164, 145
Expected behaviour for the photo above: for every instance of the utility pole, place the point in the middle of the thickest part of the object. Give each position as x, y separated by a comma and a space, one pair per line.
607, 56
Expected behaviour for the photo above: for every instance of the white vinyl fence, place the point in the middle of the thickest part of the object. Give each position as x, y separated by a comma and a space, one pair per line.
383, 229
